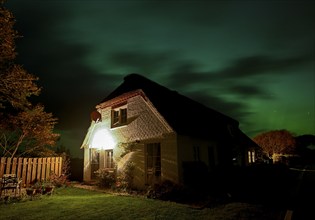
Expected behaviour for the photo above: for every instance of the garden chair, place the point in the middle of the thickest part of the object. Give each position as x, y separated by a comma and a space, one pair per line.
10, 182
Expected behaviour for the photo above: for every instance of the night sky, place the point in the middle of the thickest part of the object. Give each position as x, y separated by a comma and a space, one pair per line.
252, 60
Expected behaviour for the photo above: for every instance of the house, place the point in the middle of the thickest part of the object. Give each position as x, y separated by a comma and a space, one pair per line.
166, 135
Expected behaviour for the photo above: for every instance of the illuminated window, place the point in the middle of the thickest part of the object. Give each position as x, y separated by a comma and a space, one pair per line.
251, 156
109, 161
119, 116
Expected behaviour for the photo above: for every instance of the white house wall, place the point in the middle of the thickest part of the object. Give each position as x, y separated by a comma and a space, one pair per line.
144, 125
169, 159
144, 122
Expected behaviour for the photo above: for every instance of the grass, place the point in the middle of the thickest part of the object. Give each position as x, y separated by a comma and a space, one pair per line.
77, 203
257, 193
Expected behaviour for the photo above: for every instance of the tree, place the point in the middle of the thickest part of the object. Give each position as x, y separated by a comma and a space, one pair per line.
25, 128
16, 85
276, 142
29, 133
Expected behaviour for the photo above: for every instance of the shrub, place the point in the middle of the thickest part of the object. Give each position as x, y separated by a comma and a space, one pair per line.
59, 181
106, 178
125, 177
41, 187
167, 190
63, 179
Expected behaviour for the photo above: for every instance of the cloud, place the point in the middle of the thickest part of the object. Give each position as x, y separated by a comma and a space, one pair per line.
262, 65
238, 79
235, 109
148, 62
183, 76
242, 77
248, 91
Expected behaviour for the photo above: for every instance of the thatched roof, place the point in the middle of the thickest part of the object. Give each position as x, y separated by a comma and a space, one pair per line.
184, 115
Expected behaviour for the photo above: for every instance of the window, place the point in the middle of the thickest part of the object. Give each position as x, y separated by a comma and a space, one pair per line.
251, 156
123, 115
109, 161
119, 116
153, 163
95, 162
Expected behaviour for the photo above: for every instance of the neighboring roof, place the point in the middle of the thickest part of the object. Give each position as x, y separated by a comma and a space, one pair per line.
184, 115
246, 141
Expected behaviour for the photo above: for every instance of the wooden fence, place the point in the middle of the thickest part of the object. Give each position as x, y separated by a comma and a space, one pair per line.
31, 170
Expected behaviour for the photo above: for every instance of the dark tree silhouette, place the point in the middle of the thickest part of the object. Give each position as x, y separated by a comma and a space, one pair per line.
305, 147
305, 141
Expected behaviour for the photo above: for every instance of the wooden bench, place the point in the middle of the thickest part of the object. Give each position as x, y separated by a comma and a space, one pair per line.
10, 182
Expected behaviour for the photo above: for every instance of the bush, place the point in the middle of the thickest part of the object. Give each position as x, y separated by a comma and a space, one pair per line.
125, 177
167, 190
106, 178
59, 181
41, 187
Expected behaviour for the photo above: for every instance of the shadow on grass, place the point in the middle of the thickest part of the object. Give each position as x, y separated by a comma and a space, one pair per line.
265, 184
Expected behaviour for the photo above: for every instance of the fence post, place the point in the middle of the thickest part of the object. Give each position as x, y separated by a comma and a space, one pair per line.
60, 166
48, 168
2, 166
44, 169
19, 168
39, 167
53, 165
14, 165
34, 166
24, 171
29, 170
8, 168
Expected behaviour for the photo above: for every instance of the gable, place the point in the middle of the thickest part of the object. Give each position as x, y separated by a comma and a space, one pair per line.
184, 115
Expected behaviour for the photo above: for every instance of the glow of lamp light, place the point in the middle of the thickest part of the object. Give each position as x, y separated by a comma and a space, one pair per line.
102, 139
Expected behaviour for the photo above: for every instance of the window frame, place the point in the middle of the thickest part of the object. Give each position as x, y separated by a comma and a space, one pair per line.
119, 116
153, 163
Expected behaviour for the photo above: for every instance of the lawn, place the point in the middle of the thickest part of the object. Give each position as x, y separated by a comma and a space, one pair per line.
77, 203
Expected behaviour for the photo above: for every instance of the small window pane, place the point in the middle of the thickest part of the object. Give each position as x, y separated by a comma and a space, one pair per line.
123, 115
115, 117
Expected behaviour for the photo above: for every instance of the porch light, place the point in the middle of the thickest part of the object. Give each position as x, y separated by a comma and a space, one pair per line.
102, 139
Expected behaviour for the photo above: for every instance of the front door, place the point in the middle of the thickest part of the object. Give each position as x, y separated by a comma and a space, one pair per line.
153, 163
